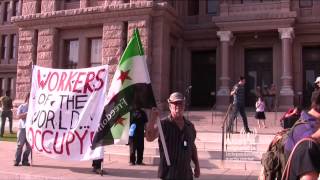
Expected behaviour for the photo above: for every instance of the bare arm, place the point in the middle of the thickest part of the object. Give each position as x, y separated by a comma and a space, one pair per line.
234, 90
151, 130
195, 161
22, 115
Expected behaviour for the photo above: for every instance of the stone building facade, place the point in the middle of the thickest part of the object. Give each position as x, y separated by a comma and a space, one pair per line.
199, 47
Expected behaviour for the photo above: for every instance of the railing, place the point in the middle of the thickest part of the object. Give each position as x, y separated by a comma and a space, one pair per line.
225, 120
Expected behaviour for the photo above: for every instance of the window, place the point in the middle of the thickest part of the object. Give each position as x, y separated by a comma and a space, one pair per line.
305, 3
4, 47
193, 7
95, 52
6, 12
72, 53
16, 8
13, 50
212, 7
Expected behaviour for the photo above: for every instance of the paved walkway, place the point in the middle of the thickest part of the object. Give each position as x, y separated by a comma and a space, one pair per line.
44, 168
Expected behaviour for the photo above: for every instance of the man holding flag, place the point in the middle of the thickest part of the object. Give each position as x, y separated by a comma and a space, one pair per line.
180, 136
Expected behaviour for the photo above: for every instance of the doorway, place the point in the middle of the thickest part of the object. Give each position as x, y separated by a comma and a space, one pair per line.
311, 69
203, 79
258, 72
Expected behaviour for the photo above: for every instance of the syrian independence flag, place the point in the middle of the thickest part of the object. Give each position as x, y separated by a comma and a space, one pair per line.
130, 88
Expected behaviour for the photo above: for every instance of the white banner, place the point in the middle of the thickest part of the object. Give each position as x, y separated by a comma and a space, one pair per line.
65, 108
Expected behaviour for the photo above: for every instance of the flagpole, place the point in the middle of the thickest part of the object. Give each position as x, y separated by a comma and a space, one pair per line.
163, 142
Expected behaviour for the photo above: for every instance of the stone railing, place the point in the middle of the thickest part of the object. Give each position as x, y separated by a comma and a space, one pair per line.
252, 8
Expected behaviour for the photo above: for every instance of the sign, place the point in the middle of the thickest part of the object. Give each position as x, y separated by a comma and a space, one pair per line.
65, 109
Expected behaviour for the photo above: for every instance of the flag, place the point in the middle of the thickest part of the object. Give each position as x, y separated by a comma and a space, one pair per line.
130, 88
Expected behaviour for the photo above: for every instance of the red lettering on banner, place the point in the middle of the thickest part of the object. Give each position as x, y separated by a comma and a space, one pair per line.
61, 143
68, 142
81, 139
72, 81
53, 81
42, 83
90, 77
78, 81
42, 140
35, 137
63, 78
67, 139
98, 78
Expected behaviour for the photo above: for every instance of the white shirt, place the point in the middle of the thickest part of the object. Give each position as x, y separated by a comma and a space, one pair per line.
260, 106
23, 108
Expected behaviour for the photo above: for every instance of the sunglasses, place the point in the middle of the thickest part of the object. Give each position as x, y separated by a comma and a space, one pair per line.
177, 103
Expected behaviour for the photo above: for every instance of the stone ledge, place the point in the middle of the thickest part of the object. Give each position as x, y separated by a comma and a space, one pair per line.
88, 10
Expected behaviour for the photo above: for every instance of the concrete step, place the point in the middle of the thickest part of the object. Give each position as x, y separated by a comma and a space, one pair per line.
204, 163
207, 147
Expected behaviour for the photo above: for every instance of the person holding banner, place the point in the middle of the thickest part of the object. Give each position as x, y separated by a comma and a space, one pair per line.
22, 140
180, 136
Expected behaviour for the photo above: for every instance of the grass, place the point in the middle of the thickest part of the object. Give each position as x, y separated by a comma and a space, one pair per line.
9, 137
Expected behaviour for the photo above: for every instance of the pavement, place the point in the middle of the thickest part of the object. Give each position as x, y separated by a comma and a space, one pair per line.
44, 168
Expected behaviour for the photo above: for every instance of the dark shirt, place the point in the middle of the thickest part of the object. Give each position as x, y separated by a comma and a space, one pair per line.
304, 159
180, 153
6, 103
238, 96
139, 117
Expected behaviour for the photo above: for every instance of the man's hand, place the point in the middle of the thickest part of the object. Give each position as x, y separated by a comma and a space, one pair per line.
196, 171
151, 131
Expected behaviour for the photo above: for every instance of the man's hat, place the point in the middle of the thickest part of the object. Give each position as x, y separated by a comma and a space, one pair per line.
176, 96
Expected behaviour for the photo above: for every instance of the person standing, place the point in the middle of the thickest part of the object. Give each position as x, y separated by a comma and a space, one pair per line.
260, 115
6, 104
179, 134
22, 140
238, 93
139, 119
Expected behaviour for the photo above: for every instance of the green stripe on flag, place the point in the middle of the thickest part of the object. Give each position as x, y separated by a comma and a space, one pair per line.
134, 48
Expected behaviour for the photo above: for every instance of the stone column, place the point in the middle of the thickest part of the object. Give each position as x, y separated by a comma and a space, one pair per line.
29, 7
223, 93
46, 51
286, 91
84, 3
160, 67
48, 5
112, 45
27, 51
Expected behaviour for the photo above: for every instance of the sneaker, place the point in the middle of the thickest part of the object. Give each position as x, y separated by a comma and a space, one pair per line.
132, 164
25, 164
16, 164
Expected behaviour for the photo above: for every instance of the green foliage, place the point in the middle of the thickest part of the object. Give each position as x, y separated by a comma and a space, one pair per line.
9, 137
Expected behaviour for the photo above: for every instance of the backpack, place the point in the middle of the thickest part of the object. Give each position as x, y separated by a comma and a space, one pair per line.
274, 160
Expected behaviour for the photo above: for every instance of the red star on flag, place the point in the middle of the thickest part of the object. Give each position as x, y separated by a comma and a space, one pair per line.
124, 75
119, 121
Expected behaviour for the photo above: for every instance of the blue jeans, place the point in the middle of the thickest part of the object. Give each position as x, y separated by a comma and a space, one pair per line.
22, 140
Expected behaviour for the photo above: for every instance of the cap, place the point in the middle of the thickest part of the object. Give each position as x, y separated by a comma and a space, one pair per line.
176, 96
317, 80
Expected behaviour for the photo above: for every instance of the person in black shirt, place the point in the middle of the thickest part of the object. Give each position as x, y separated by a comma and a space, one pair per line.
179, 134
238, 93
136, 142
